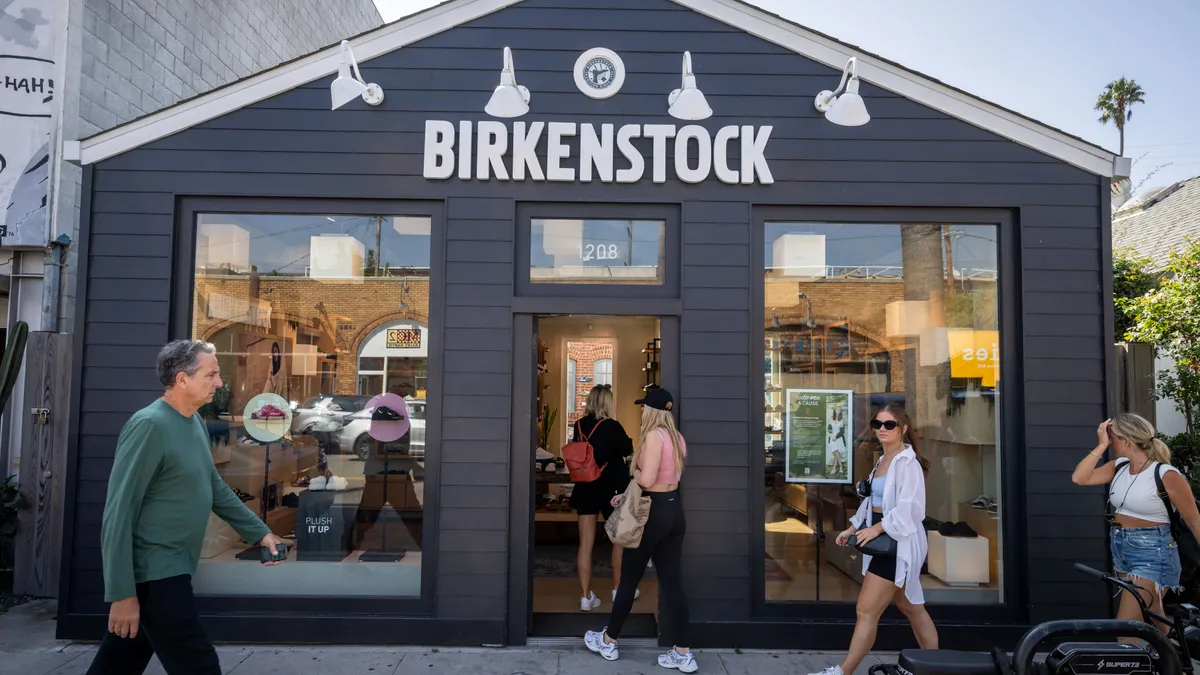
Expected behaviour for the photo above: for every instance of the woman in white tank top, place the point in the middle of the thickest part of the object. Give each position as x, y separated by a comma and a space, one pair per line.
1141, 544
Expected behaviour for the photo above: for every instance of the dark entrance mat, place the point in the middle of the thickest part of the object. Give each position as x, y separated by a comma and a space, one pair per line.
558, 561
546, 624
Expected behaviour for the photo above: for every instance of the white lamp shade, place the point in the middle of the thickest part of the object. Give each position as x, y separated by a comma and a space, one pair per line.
689, 104
849, 110
345, 88
508, 101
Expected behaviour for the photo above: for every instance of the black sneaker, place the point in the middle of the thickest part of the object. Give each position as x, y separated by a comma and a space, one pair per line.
386, 414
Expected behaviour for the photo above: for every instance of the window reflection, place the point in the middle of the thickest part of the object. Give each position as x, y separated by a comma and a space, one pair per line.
857, 316
329, 312
596, 251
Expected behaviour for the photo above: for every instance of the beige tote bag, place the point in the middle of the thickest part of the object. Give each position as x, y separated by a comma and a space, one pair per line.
624, 527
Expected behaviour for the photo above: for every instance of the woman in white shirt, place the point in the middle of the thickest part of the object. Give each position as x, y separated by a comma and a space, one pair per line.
895, 506
1141, 544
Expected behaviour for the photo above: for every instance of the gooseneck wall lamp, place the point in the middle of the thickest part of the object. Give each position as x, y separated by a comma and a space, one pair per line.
847, 110
509, 99
346, 88
688, 102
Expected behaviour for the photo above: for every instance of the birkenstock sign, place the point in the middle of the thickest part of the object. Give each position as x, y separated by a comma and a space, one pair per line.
492, 150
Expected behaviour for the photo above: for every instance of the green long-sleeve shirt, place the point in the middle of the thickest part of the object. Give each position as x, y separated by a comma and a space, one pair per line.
162, 488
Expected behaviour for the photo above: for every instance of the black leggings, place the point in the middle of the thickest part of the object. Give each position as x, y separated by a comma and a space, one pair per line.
662, 542
169, 628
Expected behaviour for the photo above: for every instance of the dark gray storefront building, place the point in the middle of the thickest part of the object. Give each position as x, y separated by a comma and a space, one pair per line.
782, 274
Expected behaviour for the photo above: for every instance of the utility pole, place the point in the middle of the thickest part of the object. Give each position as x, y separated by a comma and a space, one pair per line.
378, 238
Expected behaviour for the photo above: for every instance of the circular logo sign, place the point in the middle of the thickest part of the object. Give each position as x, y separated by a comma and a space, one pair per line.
599, 73
267, 418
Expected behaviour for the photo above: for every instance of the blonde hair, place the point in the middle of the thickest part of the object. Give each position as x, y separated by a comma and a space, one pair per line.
1138, 430
600, 402
653, 418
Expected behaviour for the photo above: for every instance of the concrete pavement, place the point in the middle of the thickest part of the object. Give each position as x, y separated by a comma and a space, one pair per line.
28, 647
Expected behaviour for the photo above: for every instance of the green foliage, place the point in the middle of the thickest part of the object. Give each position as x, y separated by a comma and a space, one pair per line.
548, 416
222, 397
1168, 317
1185, 456
1132, 278
11, 503
14, 356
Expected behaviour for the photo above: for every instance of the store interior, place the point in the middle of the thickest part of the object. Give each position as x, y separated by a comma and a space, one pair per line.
576, 353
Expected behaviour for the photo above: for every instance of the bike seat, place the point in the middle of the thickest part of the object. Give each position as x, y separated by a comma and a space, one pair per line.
1192, 635
946, 662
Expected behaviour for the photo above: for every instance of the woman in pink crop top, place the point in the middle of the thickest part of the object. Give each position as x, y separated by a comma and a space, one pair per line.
659, 458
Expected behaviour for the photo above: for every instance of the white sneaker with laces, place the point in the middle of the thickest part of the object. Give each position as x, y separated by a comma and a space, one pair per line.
589, 603
637, 593
831, 670
684, 663
595, 642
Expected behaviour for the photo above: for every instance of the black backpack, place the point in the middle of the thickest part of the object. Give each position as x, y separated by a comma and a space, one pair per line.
1189, 548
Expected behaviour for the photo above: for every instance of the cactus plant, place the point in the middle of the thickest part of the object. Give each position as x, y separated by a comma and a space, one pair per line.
10, 366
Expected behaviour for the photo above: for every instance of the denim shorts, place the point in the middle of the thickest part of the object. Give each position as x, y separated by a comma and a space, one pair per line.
1149, 553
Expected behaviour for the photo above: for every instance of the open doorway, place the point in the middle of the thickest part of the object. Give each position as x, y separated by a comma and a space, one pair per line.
574, 355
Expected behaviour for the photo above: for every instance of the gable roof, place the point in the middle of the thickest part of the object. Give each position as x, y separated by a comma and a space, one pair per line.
736, 13
1160, 223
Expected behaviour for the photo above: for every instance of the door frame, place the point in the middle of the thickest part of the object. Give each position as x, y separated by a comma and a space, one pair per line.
521, 474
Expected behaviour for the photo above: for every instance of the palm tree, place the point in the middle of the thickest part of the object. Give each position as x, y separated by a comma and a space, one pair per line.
1115, 104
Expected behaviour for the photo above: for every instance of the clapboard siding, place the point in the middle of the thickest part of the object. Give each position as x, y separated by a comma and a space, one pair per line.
716, 494
476, 410
292, 146
1065, 399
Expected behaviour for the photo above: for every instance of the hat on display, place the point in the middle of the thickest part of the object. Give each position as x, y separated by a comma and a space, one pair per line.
657, 398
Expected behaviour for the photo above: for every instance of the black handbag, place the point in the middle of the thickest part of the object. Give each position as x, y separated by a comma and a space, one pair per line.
883, 545
1189, 548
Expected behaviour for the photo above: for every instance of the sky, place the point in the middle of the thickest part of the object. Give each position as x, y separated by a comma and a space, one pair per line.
1047, 59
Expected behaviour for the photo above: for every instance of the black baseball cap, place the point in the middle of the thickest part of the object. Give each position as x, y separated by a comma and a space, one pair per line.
658, 398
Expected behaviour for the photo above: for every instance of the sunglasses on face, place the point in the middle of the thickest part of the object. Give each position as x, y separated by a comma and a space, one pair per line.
889, 425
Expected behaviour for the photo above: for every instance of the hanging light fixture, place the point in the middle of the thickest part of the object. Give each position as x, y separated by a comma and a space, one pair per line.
847, 110
509, 99
688, 102
346, 88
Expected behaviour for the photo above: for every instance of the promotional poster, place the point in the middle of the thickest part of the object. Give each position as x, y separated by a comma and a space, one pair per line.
817, 435
26, 107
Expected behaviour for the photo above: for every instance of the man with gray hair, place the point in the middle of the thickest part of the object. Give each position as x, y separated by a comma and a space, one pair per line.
162, 487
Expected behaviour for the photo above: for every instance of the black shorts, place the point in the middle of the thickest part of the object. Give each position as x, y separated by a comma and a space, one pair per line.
883, 566
589, 499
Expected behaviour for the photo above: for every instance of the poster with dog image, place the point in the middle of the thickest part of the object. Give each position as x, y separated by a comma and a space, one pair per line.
817, 433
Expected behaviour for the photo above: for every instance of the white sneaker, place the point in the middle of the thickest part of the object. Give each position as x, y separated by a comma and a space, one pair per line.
684, 663
589, 603
637, 593
595, 642
831, 670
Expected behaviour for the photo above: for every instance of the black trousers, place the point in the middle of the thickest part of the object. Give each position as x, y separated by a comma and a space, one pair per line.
662, 542
170, 628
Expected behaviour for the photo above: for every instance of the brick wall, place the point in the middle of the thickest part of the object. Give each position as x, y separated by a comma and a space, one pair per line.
585, 355
342, 314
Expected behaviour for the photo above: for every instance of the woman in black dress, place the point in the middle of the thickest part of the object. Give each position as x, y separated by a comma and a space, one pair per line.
611, 447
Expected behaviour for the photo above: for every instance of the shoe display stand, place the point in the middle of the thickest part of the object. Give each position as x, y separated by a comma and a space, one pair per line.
651, 369
987, 524
277, 517
384, 554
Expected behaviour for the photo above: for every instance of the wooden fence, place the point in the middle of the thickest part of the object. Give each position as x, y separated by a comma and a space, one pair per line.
43, 464
1135, 378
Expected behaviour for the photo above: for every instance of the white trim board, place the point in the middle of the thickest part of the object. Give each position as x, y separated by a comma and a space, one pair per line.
735, 13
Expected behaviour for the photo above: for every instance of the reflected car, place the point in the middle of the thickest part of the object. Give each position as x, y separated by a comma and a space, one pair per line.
323, 411
353, 438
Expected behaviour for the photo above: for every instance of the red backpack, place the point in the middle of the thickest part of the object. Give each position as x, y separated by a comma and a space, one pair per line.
580, 459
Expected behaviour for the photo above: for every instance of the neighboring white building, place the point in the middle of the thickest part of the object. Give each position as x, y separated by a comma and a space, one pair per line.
1153, 227
101, 63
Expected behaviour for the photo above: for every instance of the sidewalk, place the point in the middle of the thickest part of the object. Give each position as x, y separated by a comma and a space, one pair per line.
28, 647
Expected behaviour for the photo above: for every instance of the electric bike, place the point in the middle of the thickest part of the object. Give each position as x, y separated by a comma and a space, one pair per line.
1080, 651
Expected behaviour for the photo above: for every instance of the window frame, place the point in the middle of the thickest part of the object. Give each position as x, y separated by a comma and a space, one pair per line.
180, 322
529, 211
1014, 601
596, 371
